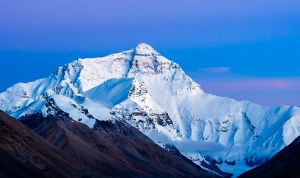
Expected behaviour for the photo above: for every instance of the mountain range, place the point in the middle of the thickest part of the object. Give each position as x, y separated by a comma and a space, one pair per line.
140, 89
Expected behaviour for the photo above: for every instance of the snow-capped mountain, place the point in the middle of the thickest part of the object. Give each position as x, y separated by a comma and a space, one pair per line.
154, 94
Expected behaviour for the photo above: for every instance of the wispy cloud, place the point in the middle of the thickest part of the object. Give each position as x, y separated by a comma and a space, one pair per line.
215, 69
263, 91
189, 146
268, 91
260, 83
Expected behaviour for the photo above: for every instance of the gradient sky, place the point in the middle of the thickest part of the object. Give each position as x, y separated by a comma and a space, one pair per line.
247, 50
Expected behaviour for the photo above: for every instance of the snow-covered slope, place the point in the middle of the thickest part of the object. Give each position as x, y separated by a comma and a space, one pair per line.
129, 100
154, 94
56, 103
23, 94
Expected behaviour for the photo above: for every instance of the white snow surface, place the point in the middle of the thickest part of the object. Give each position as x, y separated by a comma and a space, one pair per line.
237, 169
153, 93
68, 105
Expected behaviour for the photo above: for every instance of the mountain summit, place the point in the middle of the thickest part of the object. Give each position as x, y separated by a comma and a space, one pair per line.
148, 91
144, 48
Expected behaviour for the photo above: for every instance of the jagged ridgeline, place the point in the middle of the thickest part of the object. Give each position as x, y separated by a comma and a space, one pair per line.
151, 93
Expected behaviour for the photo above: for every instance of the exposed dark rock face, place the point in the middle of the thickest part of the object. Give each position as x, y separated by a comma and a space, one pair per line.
284, 164
71, 149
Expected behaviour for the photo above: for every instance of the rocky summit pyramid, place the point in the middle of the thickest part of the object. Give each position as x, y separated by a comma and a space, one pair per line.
148, 91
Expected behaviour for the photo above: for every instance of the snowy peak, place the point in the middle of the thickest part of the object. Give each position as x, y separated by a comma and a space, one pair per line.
144, 46
141, 62
144, 49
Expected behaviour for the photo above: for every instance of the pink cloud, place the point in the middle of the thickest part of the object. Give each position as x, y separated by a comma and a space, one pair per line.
266, 91
258, 84
215, 69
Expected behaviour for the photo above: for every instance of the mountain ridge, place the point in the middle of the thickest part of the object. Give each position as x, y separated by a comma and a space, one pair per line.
250, 133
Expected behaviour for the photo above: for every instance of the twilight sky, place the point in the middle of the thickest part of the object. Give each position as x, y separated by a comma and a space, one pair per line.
247, 50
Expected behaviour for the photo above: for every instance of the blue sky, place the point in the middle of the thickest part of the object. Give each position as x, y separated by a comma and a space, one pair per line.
247, 50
